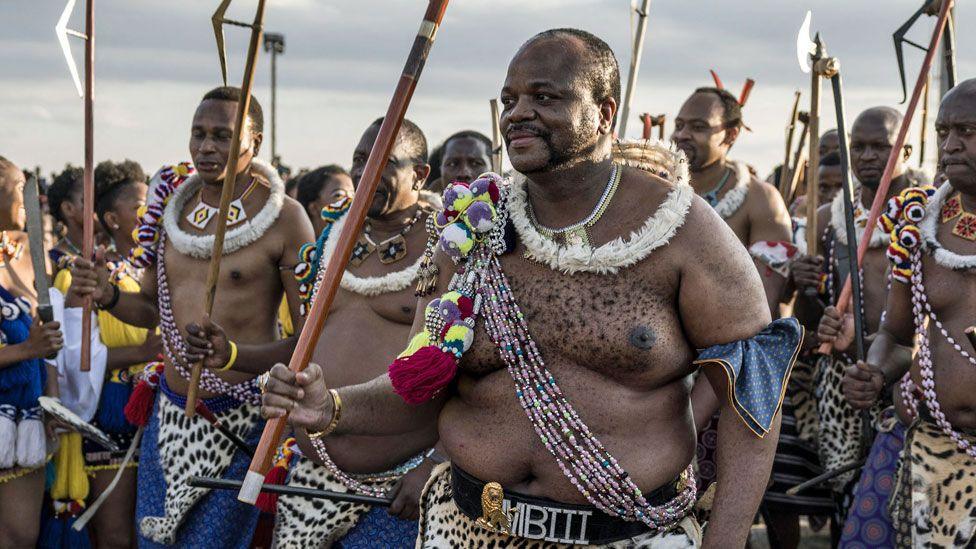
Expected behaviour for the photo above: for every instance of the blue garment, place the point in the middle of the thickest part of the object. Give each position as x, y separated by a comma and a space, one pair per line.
868, 522
21, 383
218, 520
758, 369
378, 528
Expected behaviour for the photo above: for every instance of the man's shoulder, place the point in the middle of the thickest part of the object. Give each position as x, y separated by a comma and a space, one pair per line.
652, 189
764, 195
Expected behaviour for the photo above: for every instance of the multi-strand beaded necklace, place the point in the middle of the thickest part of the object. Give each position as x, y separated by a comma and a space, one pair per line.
175, 346
923, 311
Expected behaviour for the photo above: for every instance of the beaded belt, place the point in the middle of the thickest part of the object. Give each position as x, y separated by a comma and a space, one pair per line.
543, 519
217, 404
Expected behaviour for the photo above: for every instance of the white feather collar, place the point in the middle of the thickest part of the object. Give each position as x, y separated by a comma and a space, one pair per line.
609, 258
736, 196
929, 228
253, 228
368, 286
879, 238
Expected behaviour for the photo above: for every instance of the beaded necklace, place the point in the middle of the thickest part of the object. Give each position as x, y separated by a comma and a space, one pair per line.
392, 249
577, 234
712, 196
923, 311
175, 346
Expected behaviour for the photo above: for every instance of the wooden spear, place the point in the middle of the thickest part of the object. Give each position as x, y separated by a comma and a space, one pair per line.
62, 31
497, 146
230, 173
896, 150
635, 59
785, 177
378, 156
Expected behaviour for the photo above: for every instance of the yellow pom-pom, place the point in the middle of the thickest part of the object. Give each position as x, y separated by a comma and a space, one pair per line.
422, 339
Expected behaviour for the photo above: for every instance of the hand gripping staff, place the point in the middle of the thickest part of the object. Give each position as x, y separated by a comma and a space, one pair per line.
347, 238
230, 170
88, 186
882, 192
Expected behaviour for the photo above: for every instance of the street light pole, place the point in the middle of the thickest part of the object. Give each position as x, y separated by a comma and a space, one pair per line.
274, 43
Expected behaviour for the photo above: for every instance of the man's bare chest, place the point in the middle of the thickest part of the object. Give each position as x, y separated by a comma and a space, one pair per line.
623, 326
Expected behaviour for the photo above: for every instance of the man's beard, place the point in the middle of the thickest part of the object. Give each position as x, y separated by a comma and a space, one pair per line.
563, 157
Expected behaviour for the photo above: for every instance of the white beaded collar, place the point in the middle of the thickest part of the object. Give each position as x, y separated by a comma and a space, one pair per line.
201, 246
657, 231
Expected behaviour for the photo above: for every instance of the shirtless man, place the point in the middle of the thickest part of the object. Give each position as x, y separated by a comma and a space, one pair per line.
618, 331
25, 343
839, 430
369, 322
259, 255
933, 497
705, 129
464, 156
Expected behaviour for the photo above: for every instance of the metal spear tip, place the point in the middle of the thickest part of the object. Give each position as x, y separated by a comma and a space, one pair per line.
61, 30
805, 48
218, 25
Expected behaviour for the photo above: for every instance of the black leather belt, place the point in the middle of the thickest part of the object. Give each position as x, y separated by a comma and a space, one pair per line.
544, 519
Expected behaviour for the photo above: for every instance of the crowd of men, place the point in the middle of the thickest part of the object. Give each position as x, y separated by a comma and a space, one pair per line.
615, 345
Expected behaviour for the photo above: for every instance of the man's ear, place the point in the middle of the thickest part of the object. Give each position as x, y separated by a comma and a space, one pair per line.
608, 110
420, 174
731, 134
256, 140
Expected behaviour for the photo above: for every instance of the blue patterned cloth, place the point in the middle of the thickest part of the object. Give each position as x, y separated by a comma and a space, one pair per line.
868, 523
758, 369
378, 529
217, 521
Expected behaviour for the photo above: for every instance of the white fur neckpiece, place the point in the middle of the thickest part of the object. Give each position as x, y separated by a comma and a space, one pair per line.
657, 231
201, 246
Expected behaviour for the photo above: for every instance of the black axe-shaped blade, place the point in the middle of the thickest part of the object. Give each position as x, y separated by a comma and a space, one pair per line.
900, 42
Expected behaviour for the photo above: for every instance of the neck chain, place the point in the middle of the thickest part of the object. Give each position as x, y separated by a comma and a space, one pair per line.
965, 227
392, 249
712, 196
577, 234
201, 215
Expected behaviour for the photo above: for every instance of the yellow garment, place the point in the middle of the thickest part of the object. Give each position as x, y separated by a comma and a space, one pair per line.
70, 479
114, 332
284, 318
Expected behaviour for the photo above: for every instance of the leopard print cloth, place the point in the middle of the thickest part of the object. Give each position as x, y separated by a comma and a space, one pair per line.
442, 525
191, 447
935, 498
311, 522
839, 435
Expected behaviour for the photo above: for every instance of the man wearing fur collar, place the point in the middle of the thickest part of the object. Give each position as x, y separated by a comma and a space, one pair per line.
369, 321
931, 306
705, 129
556, 358
265, 229
819, 278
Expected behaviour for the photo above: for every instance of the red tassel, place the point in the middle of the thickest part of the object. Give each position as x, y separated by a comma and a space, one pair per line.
140, 404
420, 376
268, 502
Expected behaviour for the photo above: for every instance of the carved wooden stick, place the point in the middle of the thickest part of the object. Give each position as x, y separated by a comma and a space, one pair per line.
315, 321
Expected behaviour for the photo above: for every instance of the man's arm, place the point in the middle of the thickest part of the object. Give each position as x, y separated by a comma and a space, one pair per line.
806, 274
769, 220
721, 300
890, 354
298, 231
133, 308
371, 408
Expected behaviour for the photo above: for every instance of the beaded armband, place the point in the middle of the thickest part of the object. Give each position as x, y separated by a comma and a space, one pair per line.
901, 217
307, 269
430, 361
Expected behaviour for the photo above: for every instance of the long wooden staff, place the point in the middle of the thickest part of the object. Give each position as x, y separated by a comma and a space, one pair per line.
635, 59
785, 172
497, 146
230, 170
799, 166
88, 183
315, 321
813, 157
896, 150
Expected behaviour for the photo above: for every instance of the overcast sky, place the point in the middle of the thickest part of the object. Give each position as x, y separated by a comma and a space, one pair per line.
155, 58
